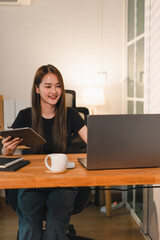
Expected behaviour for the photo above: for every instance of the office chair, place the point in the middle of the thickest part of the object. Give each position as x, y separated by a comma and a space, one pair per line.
81, 201
83, 111
70, 98
76, 144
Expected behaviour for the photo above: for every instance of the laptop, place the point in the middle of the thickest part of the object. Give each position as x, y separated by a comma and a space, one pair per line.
122, 141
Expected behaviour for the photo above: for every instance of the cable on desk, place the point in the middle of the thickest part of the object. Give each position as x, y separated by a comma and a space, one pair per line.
117, 189
128, 189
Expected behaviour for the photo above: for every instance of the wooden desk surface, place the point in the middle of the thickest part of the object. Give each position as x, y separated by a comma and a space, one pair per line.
34, 175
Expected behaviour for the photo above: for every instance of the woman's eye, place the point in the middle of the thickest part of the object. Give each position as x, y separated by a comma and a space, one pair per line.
58, 86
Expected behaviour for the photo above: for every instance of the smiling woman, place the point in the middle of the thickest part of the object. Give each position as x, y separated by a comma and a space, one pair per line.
49, 117
48, 101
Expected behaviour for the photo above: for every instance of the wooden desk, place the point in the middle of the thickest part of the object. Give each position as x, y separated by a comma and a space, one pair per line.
34, 175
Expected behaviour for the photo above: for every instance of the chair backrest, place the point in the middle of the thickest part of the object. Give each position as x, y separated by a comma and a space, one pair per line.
77, 145
70, 98
83, 111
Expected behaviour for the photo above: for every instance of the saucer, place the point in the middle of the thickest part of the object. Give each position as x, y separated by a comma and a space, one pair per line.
70, 165
63, 171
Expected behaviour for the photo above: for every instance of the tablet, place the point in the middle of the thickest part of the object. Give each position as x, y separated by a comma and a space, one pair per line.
30, 137
8, 161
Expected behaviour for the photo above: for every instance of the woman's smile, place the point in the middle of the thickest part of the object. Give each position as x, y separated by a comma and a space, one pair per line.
53, 97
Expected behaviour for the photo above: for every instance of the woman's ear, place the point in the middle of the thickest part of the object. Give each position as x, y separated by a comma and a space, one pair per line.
37, 89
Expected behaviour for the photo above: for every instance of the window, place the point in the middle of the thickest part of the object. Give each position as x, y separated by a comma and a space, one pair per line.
135, 80
135, 57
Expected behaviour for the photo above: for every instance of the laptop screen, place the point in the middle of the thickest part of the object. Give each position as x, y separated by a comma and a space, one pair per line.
123, 141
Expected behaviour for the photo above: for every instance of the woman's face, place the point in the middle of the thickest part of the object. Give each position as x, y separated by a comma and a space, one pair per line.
49, 90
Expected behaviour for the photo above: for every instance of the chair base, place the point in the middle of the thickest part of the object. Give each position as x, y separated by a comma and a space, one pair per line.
71, 234
75, 237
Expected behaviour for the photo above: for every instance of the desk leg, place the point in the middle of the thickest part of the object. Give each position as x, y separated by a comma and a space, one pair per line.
108, 202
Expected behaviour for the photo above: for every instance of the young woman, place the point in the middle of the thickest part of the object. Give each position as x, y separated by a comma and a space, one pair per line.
52, 120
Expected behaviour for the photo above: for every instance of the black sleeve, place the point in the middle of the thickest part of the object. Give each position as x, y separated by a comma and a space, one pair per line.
23, 119
76, 121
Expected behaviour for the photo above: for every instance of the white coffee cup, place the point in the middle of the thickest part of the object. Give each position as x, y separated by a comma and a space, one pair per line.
58, 162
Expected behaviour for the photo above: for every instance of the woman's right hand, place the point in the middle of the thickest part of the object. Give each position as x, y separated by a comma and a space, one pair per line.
10, 145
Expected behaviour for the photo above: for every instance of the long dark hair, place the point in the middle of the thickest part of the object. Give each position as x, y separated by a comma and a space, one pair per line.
59, 129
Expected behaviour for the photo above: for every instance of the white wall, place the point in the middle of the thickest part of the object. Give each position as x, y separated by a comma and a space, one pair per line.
64, 33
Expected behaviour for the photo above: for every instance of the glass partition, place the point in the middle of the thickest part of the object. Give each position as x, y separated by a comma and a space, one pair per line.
131, 19
139, 107
130, 107
140, 69
130, 73
139, 203
140, 17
